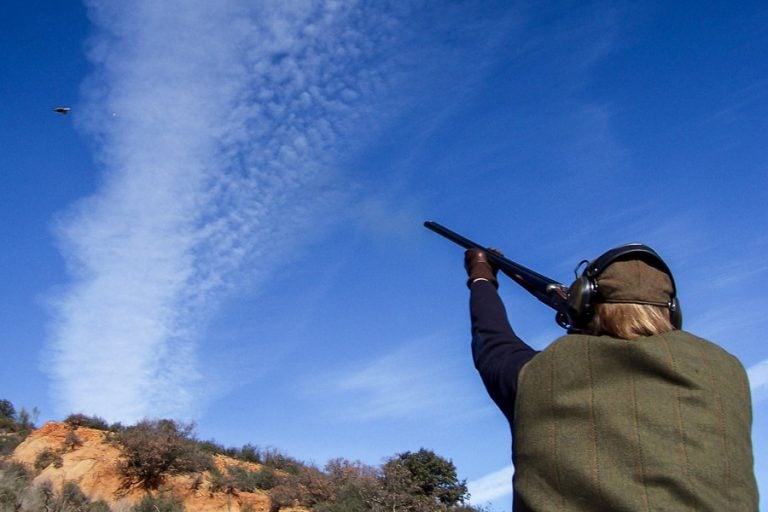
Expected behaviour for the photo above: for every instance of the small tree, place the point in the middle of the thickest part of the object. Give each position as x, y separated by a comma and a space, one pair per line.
434, 476
400, 491
7, 410
8, 421
27, 419
354, 487
152, 449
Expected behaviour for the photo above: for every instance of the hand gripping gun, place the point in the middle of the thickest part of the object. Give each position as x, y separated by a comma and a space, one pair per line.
548, 291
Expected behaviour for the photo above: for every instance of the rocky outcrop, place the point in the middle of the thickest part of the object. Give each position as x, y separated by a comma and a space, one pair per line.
88, 457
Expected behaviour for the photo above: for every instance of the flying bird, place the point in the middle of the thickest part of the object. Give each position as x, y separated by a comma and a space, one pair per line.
62, 110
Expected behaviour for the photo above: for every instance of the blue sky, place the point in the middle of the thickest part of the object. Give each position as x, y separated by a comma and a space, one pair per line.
227, 228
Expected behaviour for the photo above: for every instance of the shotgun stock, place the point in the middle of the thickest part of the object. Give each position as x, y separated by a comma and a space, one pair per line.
548, 291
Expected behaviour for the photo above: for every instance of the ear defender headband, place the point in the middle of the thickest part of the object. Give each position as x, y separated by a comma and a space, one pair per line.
583, 293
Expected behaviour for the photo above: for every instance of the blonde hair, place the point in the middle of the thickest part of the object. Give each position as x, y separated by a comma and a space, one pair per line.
629, 321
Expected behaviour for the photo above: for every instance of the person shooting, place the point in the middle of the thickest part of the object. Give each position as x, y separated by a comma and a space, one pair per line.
626, 411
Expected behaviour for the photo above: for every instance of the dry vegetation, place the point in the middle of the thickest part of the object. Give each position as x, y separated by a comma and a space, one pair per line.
86, 465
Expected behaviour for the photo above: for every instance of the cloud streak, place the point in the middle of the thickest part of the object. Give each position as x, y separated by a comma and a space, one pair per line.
400, 385
491, 486
218, 127
758, 380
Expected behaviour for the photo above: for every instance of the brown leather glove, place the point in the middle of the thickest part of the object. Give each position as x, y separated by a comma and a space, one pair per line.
478, 267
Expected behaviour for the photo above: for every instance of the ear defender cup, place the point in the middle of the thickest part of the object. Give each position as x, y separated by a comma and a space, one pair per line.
675, 313
582, 295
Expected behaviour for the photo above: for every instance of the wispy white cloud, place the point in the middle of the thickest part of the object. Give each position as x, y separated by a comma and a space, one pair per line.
407, 383
758, 380
218, 129
491, 486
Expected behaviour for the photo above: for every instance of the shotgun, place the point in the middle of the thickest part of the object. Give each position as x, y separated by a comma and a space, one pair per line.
548, 291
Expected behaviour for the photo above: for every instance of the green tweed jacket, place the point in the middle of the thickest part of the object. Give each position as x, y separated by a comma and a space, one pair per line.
661, 423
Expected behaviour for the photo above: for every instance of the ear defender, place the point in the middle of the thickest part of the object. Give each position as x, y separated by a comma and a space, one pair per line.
580, 307
675, 313
583, 294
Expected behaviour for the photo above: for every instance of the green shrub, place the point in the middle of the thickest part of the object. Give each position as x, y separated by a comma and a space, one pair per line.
71, 499
14, 481
287, 494
47, 457
14, 428
153, 448
264, 478
221, 482
9, 442
99, 506
7, 410
26, 419
7, 425
318, 487
429, 475
353, 485
8, 418
307, 489
211, 447
43, 497
273, 458
197, 482
81, 420
250, 453
72, 441
18, 495
161, 503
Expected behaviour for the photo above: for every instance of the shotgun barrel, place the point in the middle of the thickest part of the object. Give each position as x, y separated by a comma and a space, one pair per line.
548, 291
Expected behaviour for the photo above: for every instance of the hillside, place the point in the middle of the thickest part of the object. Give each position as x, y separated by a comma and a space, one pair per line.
92, 463
83, 465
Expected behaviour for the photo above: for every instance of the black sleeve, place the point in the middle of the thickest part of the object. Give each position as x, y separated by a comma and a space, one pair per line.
499, 354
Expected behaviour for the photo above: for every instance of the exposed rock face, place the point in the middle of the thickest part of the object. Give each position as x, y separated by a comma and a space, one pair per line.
89, 459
